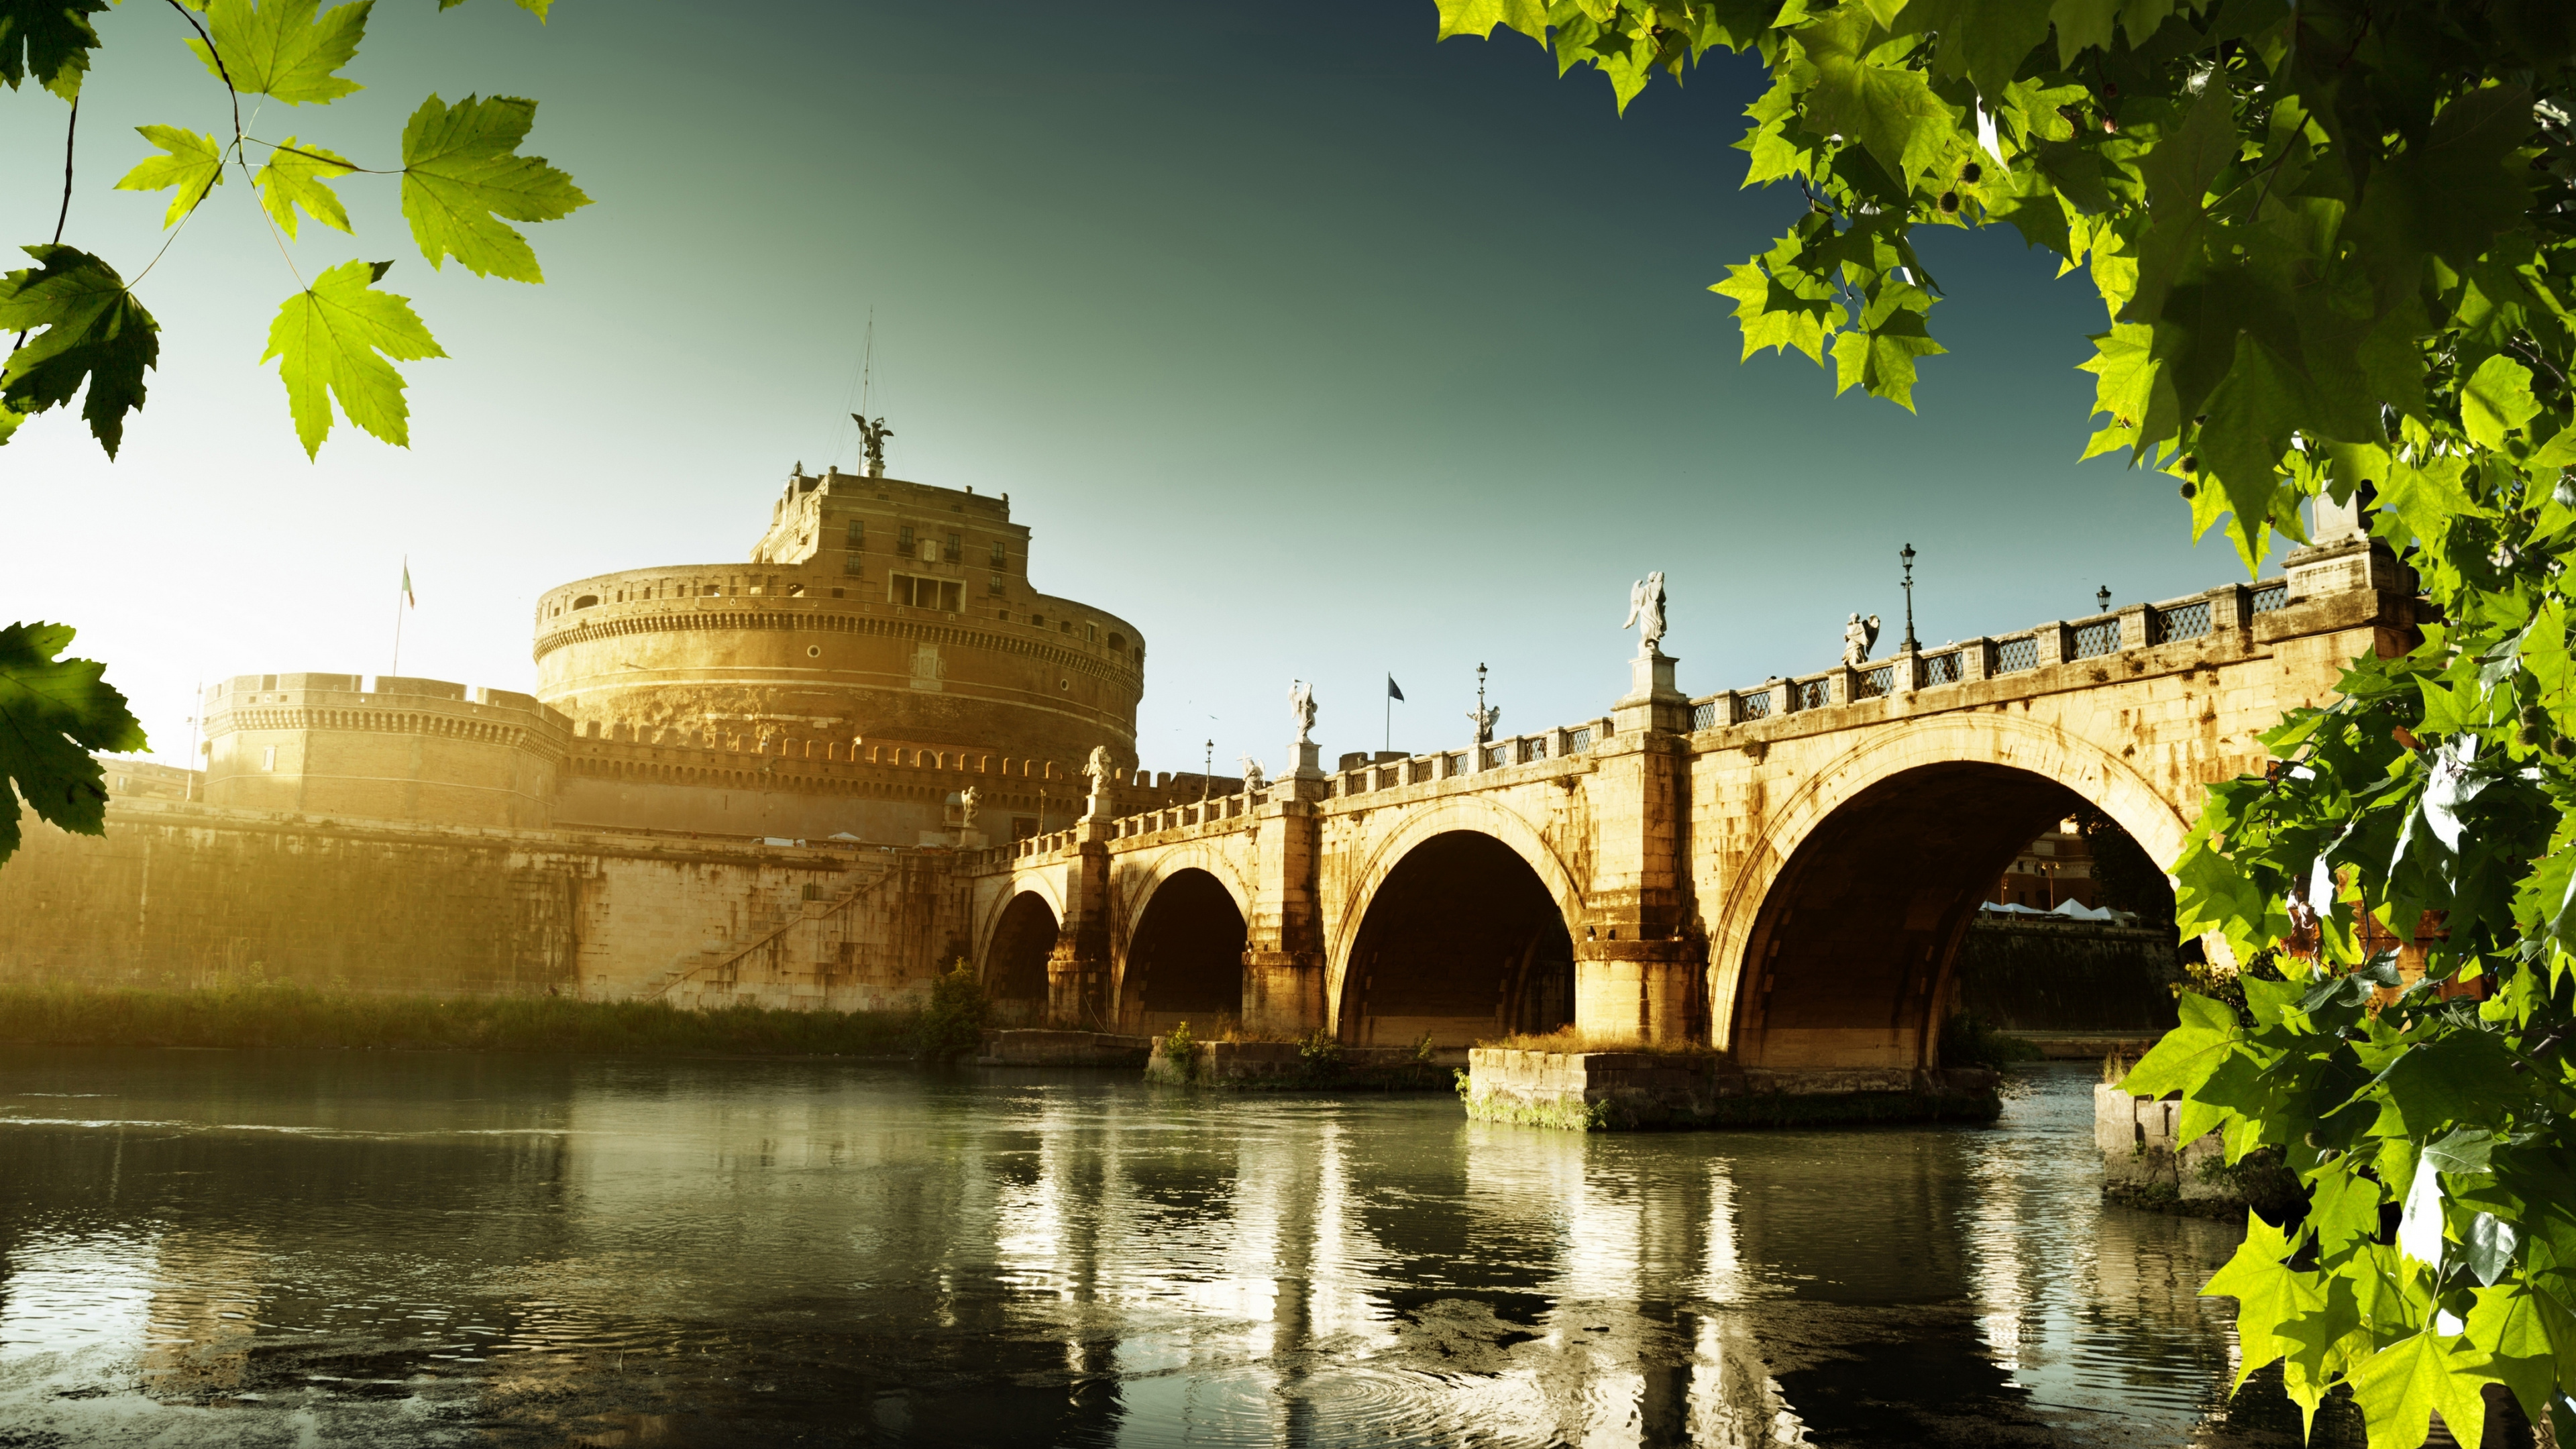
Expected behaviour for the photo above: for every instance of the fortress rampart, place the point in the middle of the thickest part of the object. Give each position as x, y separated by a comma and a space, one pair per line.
875, 612
391, 748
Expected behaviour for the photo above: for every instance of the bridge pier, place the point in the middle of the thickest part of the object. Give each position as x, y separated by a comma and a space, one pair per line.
1078, 968
1638, 973
1283, 948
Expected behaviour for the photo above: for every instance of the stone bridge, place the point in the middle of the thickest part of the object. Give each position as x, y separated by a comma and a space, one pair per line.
1783, 872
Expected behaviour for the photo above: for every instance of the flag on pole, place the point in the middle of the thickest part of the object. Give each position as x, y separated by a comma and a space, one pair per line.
1391, 691
407, 598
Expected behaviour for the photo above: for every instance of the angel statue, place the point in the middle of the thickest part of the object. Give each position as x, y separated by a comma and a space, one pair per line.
1646, 612
966, 803
1254, 781
1301, 703
873, 436
1859, 637
1100, 768
1483, 717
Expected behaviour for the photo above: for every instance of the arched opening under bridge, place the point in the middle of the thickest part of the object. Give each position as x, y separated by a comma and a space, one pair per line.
1185, 960
1853, 958
1015, 965
1461, 942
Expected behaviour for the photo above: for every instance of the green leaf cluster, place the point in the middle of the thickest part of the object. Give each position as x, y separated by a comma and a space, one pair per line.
81, 332
2335, 243
462, 179
53, 712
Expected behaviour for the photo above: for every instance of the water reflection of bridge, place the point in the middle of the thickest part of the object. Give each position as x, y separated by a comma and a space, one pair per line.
1785, 871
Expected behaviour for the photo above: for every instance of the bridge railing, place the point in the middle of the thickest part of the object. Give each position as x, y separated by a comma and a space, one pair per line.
2172, 621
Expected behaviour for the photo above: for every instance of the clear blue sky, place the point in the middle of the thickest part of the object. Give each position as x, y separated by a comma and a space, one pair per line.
1314, 348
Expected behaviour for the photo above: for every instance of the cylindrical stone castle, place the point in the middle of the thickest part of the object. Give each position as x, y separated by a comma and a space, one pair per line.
875, 617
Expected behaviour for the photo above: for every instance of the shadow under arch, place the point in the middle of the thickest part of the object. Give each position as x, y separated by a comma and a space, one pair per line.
1015, 964
1470, 814
1460, 940
1835, 945
1184, 959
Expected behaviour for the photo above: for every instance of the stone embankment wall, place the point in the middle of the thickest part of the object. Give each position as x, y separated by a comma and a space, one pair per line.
178, 895
2143, 1166
1611, 1091
2034, 975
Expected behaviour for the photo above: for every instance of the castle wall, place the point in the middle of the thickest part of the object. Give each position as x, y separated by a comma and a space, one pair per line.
875, 612
403, 749
177, 894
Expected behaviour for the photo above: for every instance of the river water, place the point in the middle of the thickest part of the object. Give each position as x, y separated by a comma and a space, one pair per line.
392, 1249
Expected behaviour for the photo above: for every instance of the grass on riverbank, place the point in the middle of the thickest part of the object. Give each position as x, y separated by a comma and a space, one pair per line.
295, 1016
1569, 1040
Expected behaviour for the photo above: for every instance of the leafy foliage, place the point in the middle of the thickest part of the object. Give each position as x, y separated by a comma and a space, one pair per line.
193, 165
53, 712
462, 172
93, 331
48, 39
2336, 247
331, 341
953, 1023
282, 49
81, 330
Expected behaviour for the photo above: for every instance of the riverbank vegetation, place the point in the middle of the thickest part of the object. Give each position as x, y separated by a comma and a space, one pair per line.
295, 1016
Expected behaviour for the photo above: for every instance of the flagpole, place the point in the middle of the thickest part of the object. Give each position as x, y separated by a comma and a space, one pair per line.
398, 613
1388, 744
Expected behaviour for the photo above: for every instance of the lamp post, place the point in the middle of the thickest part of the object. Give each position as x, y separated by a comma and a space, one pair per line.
1207, 773
2102, 597
1907, 554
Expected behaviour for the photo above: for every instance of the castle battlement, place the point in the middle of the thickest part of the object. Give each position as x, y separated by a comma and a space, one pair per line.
390, 747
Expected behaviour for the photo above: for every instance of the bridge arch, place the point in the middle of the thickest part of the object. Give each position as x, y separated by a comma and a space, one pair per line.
1015, 955
1181, 956
1474, 907
1833, 945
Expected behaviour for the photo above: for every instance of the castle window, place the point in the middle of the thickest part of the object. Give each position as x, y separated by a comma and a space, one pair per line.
858, 533
851, 565
586, 601
999, 557
268, 758
1091, 633
1117, 641
946, 595
956, 547
995, 587
1064, 626
838, 593
904, 543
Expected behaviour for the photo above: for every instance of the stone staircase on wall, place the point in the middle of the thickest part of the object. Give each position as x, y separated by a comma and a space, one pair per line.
791, 959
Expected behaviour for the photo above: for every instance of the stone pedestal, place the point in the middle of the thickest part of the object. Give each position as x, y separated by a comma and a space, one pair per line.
1305, 779
1283, 955
1652, 705
971, 839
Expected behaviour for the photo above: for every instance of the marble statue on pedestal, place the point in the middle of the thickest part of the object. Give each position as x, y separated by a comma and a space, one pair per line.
1859, 637
1099, 768
1301, 703
1646, 613
966, 804
1253, 780
1483, 719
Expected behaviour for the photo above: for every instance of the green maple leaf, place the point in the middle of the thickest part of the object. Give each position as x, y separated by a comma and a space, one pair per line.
1777, 314
2521, 1336
2268, 1295
194, 165
281, 49
95, 332
298, 176
1890, 110
462, 173
1984, 40
2400, 1386
2186, 1055
327, 339
1462, 17
2131, 389
2497, 401
1880, 353
53, 712
48, 39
